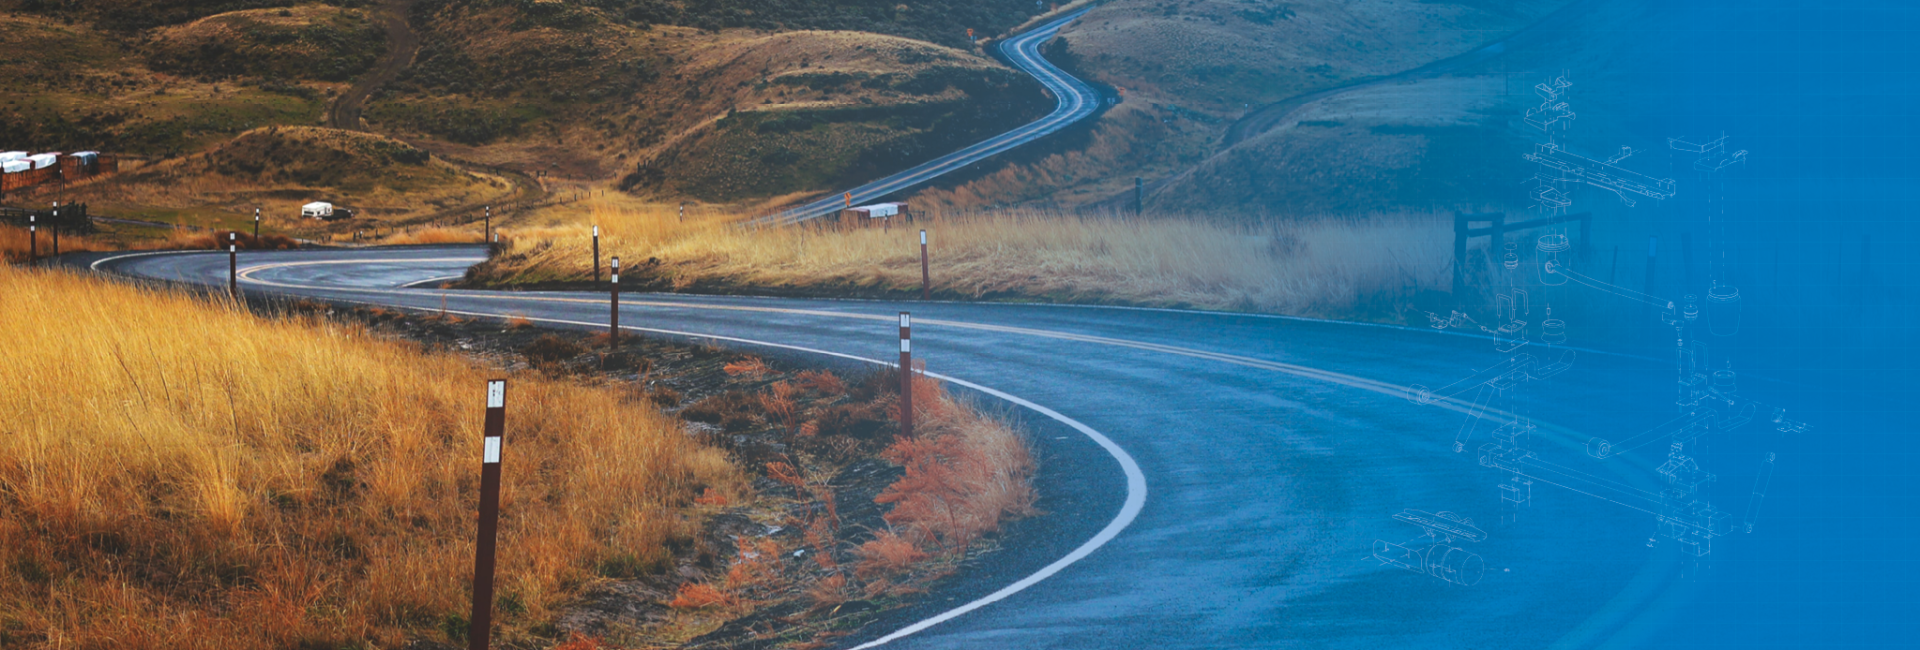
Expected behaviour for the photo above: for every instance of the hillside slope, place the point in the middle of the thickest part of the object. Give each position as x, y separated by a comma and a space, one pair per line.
1189, 70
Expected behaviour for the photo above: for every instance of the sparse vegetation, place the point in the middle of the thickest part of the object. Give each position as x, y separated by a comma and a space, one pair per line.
279, 168
1342, 267
184, 474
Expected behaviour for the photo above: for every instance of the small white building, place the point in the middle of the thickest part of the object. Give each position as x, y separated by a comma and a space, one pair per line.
12, 155
317, 210
15, 166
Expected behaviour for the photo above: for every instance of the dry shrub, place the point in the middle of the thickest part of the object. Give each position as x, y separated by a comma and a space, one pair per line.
821, 382
779, 403
578, 641
218, 240
755, 569
748, 367
196, 476
699, 595
712, 497
549, 349
664, 397
829, 591
433, 235
885, 555
733, 411
518, 322
964, 473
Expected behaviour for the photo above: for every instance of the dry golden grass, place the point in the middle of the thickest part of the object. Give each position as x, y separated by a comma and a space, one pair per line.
16, 244
179, 473
434, 235
1321, 267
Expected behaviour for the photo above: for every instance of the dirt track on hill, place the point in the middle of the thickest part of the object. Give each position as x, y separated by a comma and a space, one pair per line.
402, 44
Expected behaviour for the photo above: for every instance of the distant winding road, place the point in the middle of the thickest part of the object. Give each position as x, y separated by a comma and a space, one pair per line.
1208, 480
1076, 100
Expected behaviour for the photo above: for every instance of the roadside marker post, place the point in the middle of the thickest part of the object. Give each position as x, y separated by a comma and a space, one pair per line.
256, 226
481, 624
596, 253
33, 240
613, 319
926, 279
56, 228
233, 265
487, 226
906, 375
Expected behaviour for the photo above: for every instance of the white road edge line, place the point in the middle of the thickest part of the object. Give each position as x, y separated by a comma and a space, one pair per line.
1136, 480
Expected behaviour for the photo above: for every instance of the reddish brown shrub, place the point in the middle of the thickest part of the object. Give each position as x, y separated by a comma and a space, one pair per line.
698, 595
885, 555
749, 367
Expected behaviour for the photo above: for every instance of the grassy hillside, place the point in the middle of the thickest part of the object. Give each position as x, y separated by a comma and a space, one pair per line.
1190, 70
642, 94
280, 168
198, 477
590, 94
73, 86
313, 42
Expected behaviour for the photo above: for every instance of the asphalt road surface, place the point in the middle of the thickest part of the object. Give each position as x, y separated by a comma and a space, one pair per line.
1076, 100
1209, 480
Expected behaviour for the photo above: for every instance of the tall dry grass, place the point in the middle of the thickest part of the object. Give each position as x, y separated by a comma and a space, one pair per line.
178, 473
1321, 267
16, 244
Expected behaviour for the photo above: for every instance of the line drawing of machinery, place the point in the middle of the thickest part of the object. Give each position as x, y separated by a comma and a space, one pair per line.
1434, 552
1558, 169
1674, 489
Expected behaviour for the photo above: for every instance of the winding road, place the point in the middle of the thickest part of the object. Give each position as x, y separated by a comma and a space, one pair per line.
1076, 100
1209, 480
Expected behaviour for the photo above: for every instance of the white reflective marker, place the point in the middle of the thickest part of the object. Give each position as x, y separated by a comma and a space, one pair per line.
906, 345
596, 231
905, 320
923, 238
493, 451
496, 394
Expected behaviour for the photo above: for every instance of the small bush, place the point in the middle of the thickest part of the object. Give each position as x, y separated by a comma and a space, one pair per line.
550, 349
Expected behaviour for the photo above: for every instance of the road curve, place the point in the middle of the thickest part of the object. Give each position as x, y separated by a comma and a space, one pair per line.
1076, 100
1274, 451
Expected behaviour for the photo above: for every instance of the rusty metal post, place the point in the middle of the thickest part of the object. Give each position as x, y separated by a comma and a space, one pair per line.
33, 240
56, 228
486, 229
613, 320
926, 279
256, 226
906, 375
596, 253
481, 624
